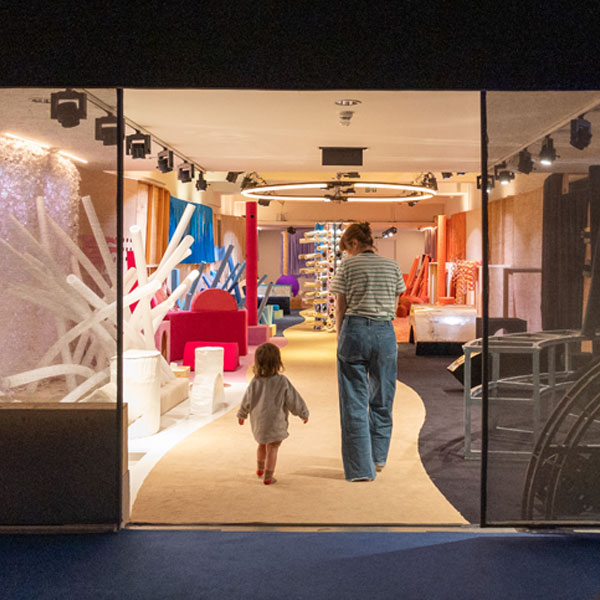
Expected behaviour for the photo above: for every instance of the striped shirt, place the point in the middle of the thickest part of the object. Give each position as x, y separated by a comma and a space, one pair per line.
370, 284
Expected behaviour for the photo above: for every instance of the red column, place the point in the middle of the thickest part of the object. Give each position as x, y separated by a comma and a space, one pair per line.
251, 263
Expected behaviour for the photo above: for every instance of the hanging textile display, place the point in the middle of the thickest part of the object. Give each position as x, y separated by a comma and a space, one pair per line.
200, 228
464, 279
456, 237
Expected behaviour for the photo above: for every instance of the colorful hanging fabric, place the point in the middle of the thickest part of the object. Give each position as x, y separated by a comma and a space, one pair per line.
200, 228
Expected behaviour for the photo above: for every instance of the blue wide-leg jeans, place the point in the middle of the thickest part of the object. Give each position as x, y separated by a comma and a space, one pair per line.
367, 359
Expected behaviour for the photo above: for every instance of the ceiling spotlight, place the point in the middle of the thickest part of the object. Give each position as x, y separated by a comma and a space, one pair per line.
347, 102
138, 144
548, 152
233, 175
263, 202
185, 172
68, 107
412, 203
490, 183
164, 161
201, 183
106, 130
251, 180
389, 232
525, 162
505, 177
581, 133
446, 174
291, 230
429, 180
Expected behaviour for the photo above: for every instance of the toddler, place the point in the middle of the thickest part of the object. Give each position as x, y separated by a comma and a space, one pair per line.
268, 400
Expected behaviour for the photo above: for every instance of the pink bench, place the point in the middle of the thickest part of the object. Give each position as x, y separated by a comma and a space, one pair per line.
232, 354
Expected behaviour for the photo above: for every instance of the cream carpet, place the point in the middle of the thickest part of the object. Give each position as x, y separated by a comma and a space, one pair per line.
209, 477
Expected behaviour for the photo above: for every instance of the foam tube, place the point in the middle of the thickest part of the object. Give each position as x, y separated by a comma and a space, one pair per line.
83, 259
142, 271
182, 251
178, 233
98, 317
45, 372
159, 312
88, 385
100, 239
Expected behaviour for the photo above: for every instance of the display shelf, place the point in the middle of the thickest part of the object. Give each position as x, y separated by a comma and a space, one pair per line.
538, 389
322, 264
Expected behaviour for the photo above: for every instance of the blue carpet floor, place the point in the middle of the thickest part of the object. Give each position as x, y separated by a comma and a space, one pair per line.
138, 564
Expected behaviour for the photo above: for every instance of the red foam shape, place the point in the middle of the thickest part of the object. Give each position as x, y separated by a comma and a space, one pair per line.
231, 360
209, 325
213, 299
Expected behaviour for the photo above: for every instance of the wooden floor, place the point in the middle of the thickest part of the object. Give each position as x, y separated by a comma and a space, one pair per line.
209, 476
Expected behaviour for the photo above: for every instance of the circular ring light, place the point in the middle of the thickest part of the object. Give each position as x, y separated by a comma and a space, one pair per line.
406, 192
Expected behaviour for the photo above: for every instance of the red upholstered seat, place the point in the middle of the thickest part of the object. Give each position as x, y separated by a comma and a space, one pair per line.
231, 359
208, 325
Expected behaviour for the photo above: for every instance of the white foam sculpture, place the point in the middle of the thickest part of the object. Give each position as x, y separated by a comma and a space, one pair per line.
86, 321
207, 394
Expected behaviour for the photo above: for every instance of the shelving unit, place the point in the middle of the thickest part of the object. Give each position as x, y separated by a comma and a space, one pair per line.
539, 389
322, 263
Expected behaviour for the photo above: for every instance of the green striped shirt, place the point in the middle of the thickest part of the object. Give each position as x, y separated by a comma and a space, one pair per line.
370, 283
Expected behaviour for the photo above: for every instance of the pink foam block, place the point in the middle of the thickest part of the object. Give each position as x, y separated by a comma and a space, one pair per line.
258, 334
231, 358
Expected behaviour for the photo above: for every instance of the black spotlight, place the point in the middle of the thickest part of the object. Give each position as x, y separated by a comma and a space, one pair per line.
490, 183
548, 152
429, 181
291, 230
525, 162
164, 161
581, 133
106, 130
138, 144
389, 232
68, 107
201, 183
413, 203
446, 174
263, 202
505, 177
185, 173
233, 175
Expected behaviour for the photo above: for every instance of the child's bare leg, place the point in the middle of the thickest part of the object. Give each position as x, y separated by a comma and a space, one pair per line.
261, 455
271, 461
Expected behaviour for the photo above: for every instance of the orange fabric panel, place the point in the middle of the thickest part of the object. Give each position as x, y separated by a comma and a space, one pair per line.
456, 237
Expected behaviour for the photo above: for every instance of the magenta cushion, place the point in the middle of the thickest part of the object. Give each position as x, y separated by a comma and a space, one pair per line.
231, 359
209, 325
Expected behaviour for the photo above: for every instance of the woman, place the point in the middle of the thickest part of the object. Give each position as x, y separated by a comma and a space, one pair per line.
367, 287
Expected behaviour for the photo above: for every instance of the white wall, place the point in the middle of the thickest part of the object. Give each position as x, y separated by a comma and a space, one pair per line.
403, 247
269, 254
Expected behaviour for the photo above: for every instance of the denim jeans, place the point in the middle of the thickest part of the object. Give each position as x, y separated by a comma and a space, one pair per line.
367, 357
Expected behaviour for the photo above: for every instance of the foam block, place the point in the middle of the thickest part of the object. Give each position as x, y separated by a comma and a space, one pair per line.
258, 334
231, 360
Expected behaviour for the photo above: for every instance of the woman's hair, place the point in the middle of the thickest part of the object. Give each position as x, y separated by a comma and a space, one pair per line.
267, 360
361, 232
